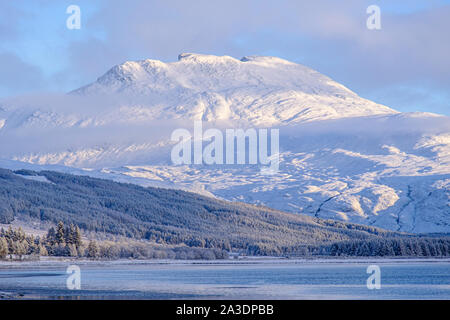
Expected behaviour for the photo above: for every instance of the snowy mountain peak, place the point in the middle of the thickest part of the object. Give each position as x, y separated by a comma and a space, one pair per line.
258, 89
212, 59
204, 58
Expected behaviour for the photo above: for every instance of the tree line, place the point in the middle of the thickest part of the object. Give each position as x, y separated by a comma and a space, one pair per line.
163, 223
167, 217
62, 241
413, 246
66, 241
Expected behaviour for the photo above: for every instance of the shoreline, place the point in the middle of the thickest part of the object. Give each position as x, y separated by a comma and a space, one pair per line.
51, 261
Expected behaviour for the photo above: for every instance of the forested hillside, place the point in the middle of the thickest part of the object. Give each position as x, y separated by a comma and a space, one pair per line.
169, 216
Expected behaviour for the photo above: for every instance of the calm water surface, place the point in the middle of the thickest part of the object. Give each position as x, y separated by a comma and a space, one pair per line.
244, 280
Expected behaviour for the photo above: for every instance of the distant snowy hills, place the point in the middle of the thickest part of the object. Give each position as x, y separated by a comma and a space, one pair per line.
342, 156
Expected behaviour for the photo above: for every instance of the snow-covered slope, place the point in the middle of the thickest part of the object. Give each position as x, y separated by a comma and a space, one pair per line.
261, 90
343, 157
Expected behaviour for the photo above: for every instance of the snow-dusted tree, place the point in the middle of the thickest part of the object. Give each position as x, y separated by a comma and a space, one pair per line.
60, 233
3, 248
92, 249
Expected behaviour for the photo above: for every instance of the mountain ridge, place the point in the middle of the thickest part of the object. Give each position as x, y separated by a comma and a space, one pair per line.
209, 83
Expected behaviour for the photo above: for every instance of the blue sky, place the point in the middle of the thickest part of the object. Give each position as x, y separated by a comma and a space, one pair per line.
405, 65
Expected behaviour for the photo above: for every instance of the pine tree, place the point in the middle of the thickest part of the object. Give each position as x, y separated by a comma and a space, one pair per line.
70, 234
77, 237
3, 248
20, 235
92, 250
60, 234
9, 233
20, 248
42, 250
51, 236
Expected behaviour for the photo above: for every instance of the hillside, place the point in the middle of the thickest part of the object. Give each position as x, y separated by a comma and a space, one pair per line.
162, 215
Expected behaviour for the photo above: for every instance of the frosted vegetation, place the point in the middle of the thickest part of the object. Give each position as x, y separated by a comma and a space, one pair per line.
67, 242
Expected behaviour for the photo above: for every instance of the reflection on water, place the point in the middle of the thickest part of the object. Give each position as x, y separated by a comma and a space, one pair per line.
267, 280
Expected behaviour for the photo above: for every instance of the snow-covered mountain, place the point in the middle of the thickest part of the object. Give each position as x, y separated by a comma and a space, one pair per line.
342, 156
261, 90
